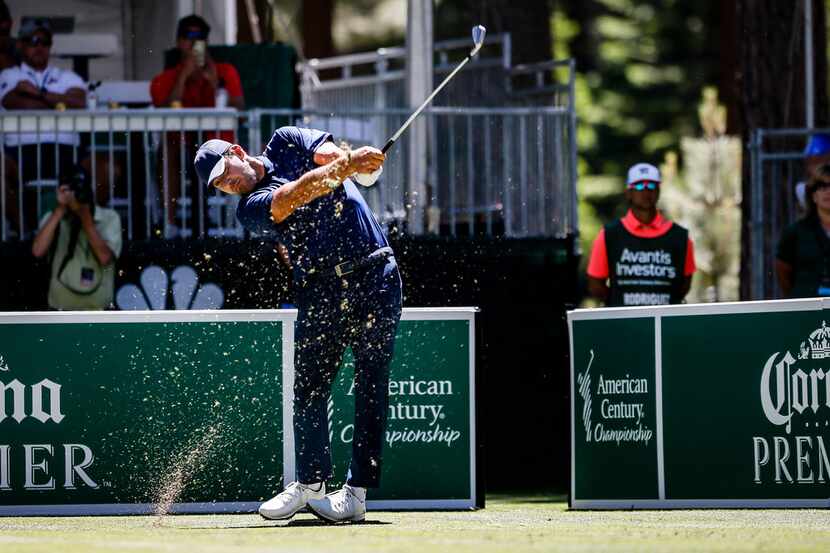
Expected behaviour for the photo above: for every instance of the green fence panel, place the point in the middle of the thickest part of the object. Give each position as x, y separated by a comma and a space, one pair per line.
742, 403
135, 399
121, 412
614, 441
428, 443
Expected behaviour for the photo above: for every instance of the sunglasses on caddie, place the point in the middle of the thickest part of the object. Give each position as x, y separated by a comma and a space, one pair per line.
643, 185
38, 40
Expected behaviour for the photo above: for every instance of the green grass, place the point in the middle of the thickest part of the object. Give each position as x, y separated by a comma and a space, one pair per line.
514, 524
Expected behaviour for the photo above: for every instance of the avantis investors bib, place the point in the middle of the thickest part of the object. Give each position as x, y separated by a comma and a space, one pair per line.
645, 271
702, 405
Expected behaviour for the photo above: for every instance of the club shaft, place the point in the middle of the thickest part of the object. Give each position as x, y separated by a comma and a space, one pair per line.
412, 117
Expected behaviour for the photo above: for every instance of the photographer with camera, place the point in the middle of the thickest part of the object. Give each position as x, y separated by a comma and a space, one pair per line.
83, 241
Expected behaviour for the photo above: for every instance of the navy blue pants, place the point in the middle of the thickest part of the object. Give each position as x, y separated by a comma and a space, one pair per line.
361, 311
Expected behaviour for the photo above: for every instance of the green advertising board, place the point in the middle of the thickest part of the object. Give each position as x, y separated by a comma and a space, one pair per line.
718, 405
116, 412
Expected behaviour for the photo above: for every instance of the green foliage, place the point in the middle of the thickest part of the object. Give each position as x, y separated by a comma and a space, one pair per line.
639, 76
653, 60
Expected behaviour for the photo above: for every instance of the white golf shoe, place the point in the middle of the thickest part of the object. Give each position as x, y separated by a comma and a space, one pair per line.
294, 497
344, 505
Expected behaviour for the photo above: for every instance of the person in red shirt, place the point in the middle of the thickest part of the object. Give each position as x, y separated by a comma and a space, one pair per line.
192, 83
642, 258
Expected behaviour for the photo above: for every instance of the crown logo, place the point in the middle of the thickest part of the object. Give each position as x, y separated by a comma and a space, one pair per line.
819, 344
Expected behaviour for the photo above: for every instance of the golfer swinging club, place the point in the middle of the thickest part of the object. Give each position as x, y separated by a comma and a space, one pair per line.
348, 294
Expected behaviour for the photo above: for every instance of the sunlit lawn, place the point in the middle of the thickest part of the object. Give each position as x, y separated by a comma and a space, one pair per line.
509, 523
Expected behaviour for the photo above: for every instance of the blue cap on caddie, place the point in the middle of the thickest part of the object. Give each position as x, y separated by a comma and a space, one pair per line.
210, 161
818, 145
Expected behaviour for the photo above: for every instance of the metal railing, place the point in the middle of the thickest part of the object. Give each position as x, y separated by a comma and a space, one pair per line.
505, 171
375, 80
139, 160
777, 167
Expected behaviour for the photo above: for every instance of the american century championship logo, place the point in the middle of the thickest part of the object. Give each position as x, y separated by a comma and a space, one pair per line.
584, 381
622, 411
416, 414
795, 399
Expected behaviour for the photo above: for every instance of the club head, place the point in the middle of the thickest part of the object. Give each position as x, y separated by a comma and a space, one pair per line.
478, 38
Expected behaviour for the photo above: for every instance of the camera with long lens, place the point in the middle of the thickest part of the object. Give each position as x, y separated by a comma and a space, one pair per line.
79, 182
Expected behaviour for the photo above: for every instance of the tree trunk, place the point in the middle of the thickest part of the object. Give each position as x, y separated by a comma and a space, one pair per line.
529, 24
770, 78
584, 46
729, 92
318, 17
244, 34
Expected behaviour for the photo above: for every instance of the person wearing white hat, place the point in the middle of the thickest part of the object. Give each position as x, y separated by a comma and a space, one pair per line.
642, 258
37, 84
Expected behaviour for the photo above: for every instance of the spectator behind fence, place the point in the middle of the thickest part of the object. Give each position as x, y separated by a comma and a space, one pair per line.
802, 261
646, 259
6, 41
83, 240
816, 154
196, 81
34, 84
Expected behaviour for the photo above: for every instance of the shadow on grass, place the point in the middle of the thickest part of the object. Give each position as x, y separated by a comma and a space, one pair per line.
302, 523
526, 497
317, 522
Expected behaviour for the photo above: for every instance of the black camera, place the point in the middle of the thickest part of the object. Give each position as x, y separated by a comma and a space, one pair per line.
79, 182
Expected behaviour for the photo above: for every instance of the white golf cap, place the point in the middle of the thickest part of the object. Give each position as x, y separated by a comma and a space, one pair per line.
641, 172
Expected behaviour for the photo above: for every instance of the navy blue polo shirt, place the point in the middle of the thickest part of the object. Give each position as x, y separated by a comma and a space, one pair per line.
331, 229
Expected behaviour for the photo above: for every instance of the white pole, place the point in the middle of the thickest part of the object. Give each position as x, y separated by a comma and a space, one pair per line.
808, 63
231, 24
253, 20
419, 51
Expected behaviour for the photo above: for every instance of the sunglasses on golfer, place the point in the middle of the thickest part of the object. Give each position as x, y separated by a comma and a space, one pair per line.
644, 185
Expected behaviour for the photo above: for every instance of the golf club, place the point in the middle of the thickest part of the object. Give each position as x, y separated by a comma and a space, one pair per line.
478, 39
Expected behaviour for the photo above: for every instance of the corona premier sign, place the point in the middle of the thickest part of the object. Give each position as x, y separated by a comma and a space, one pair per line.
701, 406
97, 409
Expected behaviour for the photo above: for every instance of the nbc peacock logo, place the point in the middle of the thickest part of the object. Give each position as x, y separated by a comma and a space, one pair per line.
181, 290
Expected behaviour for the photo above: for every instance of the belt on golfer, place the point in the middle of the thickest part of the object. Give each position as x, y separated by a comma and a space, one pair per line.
347, 267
